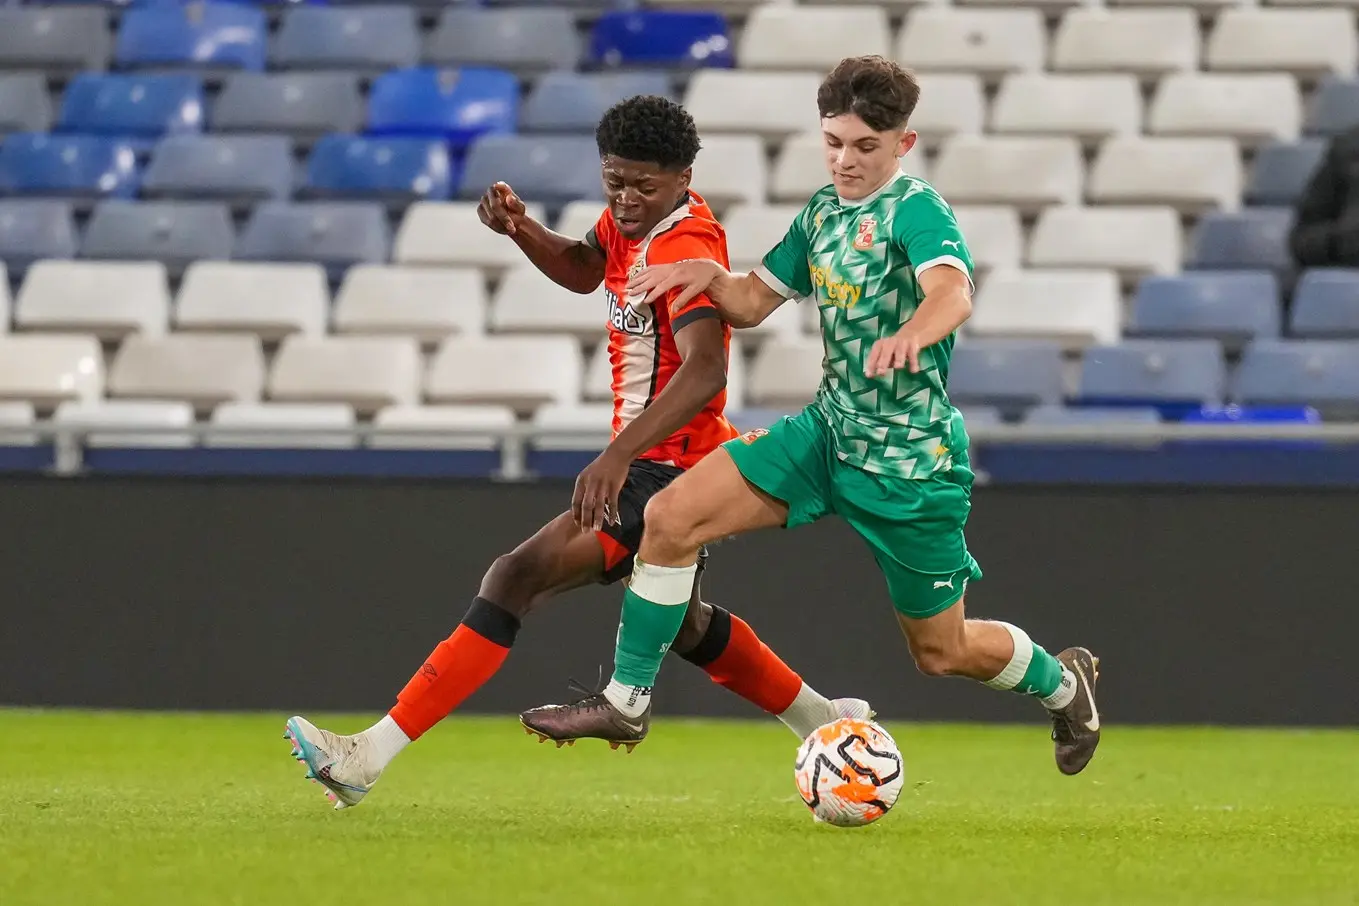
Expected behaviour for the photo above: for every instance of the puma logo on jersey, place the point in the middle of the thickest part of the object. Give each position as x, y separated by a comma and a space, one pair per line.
625, 318
952, 242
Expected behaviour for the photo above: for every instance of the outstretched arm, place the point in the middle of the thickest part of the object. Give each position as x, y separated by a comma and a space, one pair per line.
945, 308
743, 300
572, 263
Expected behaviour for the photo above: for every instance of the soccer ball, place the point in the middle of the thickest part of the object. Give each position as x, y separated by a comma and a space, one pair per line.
849, 772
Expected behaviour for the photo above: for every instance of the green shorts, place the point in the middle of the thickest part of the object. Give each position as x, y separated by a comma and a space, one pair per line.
913, 526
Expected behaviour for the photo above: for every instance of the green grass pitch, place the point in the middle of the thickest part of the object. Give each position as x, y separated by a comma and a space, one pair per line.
200, 809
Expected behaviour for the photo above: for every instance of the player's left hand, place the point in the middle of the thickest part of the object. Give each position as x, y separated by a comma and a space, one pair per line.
892, 353
595, 498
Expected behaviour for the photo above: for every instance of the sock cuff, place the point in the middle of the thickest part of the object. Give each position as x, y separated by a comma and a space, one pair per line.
1019, 662
492, 622
668, 586
714, 641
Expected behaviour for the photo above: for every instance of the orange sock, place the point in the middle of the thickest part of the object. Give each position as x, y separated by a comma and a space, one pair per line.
733, 655
457, 667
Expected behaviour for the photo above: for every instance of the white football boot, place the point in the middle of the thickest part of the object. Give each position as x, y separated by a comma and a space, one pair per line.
856, 708
341, 764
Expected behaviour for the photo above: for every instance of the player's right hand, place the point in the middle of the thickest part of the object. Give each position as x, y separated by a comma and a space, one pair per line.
502, 210
692, 276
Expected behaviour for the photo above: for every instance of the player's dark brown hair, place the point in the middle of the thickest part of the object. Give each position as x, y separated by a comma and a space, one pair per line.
649, 129
873, 88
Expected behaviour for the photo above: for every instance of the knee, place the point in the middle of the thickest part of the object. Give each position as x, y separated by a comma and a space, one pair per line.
936, 658
668, 524
515, 580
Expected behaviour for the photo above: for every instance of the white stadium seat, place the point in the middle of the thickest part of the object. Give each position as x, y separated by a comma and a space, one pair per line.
583, 426
4, 299
770, 104
1026, 172
283, 425
365, 372
950, 104
800, 168
137, 414
1189, 174
1251, 108
15, 414
204, 369
991, 42
1089, 106
788, 321
786, 372
271, 300
520, 372
1075, 307
528, 302
752, 230
429, 303
1202, 7
598, 376
730, 168
487, 421
425, 237
810, 37
109, 299
993, 233
1048, 6
1133, 241
48, 369
1145, 42
579, 217
1305, 42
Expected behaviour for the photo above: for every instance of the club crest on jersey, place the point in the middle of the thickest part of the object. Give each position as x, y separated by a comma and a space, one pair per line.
863, 239
751, 436
624, 317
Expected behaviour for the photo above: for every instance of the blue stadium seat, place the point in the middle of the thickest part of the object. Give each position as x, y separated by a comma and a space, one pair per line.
25, 105
74, 166
1252, 238
1282, 170
138, 108
59, 40
333, 234
457, 104
1062, 416
1232, 306
1326, 304
1011, 374
176, 233
391, 168
233, 168
554, 169
1334, 107
1174, 376
33, 229
300, 104
209, 36
1322, 373
368, 38
575, 102
671, 39
522, 40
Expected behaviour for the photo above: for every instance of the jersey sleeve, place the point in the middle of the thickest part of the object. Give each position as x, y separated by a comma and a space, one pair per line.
680, 245
784, 269
602, 234
924, 228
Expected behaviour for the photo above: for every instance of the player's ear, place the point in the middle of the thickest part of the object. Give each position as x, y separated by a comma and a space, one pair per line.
907, 142
686, 175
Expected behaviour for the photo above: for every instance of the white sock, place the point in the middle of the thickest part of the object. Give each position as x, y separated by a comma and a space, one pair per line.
386, 739
808, 711
1066, 691
632, 701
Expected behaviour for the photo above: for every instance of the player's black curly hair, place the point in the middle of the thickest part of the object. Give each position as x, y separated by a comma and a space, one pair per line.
650, 129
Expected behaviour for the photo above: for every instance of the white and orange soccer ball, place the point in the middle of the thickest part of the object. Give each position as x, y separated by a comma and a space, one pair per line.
849, 772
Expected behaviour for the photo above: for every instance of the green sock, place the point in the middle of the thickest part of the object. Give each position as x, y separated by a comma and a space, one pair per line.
653, 611
1032, 671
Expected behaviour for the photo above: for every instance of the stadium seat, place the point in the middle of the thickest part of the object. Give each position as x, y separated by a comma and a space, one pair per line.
368, 373
422, 238
1320, 373
457, 104
204, 369
302, 105
800, 168
731, 168
1204, 8
283, 425
811, 37
1281, 171
56, 39
134, 107
990, 42
786, 372
211, 36
1231, 306
45, 369
528, 302
524, 41
488, 422
491, 371
1189, 174
1075, 307
1172, 375
1090, 107
25, 105
752, 230
1133, 241
174, 233
16, 415
598, 375
269, 300
553, 169
950, 104
107, 299
362, 38
140, 415
994, 235
1334, 107
1010, 374
392, 169
673, 39
1326, 304
1251, 108
1253, 238
1306, 42
1148, 43
579, 218
584, 426
575, 102
1028, 173
427, 303
334, 234
234, 168
4, 298
73, 166
599, 372
31, 230
1052, 416
770, 104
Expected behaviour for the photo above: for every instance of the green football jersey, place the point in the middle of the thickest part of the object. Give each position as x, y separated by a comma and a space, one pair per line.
860, 261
